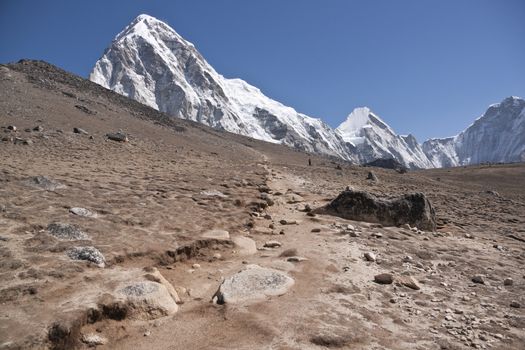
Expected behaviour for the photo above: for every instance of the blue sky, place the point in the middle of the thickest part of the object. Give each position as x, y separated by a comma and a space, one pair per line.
426, 67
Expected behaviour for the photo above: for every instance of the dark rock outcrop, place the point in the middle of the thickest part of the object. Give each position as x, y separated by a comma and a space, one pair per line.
389, 163
414, 209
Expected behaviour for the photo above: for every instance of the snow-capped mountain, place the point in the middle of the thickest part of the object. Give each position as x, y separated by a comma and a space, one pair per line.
151, 63
497, 136
374, 139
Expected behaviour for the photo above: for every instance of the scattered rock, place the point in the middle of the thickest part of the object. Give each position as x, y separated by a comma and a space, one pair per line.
478, 279
252, 284
214, 193
44, 183
296, 259
369, 256
508, 282
315, 230
89, 253
21, 141
11, 127
92, 339
289, 252
272, 244
372, 176
293, 198
244, 245
330, 341
414, 209
217, 234
80, 131
118, 136
493, 193
409, 282
147, 300
83, 212
288, 222
407, 258
66, 232
384, 278
515, 304
85, 109
38, 128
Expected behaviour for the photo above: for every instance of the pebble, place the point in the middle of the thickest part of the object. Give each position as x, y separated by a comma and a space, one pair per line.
93, 339
80, 131
317, 229
409, 282
478, 279
272, 244
369, 256
296, 259
196, 266
384, 278
515, 304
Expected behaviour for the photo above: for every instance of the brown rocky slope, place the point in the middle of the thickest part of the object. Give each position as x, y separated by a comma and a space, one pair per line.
120, 245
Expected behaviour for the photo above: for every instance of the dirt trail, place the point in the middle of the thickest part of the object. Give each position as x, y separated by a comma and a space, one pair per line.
334, 302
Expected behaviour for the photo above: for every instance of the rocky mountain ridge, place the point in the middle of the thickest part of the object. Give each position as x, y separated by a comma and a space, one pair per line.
151, 63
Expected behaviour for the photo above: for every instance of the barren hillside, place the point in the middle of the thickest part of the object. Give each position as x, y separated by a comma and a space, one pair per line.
139, 244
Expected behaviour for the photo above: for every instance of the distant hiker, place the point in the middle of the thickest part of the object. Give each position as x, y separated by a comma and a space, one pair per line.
309, 162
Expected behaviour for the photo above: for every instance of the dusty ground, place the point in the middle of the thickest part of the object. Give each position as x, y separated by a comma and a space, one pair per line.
157, 194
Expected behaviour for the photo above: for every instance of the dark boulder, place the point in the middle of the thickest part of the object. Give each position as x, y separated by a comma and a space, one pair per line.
414, 209
118, 136
389, 163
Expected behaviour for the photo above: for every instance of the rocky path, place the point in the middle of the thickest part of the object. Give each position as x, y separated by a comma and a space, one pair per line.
355, 285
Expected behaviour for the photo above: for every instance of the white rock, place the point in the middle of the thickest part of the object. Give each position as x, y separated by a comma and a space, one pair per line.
147, 300
83, 212
244, 245
369, 256
254, 283
92, 339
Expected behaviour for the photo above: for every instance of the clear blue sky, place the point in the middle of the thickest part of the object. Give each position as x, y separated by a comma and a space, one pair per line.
426, 67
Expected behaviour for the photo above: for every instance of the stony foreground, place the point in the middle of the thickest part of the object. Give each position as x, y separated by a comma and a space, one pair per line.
122, 229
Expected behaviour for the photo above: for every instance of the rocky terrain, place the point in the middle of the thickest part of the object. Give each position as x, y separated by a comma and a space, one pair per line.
123, 228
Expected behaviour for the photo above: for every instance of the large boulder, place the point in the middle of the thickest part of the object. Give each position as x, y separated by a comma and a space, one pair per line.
254, 283
414, 209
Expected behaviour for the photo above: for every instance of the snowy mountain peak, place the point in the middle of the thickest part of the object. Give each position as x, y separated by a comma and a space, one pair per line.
150, 62
374, 139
